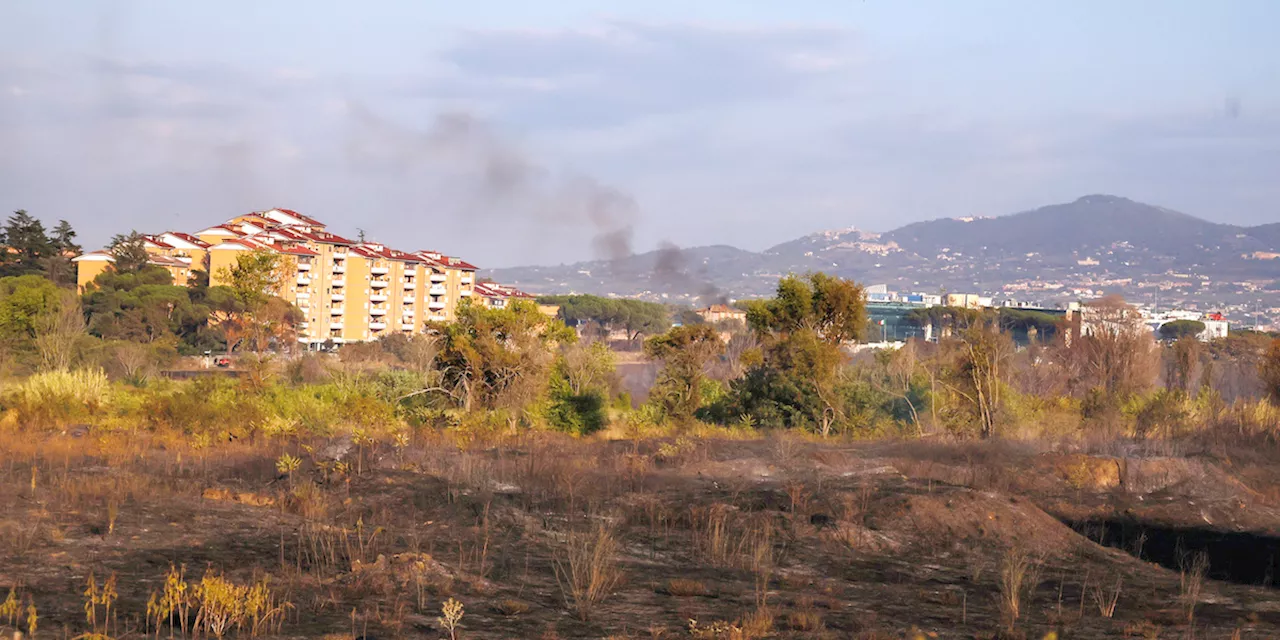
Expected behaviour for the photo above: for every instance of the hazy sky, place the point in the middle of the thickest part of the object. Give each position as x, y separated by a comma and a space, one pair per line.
515, 132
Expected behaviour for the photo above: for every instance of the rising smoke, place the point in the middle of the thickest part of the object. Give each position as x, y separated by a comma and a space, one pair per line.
671, 272
501, 179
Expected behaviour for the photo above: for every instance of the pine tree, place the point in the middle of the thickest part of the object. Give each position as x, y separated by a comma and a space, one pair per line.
130, 252
26, 246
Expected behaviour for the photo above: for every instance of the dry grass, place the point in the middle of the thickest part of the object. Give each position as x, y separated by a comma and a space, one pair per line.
587, 569
1106, 598
682, 587
511, 607
1020, 573
1191, 582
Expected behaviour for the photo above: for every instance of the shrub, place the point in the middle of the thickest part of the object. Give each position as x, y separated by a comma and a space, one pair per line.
57, 398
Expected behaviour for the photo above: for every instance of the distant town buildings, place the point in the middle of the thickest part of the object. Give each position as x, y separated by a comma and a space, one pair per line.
347, 290
890, 313
720, 313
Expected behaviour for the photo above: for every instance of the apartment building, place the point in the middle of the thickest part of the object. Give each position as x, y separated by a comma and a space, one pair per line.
347, 290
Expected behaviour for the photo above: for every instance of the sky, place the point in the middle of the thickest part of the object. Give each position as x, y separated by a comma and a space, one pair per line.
549, 132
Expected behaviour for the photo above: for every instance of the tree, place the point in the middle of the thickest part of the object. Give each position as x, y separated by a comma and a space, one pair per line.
1109, 350
26, 303
130, 252
496, 358
64, 238
27, 247
256, 276
684, 352
255, 280
588, 367
59, 334
1184, 356
802, 332
1178, 329
982, 374
636, 317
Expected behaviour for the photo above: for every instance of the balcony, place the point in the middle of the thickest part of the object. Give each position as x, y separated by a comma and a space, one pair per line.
439, 277
467, 278
466, 293
407, 301
304, 266
337, 339
339, 282
378, 311
378, 297
438, 317
408, 285
380, 271
303, 281
302, 295
408, 313
377, 326
436, 305
436, 290
337, 297
303, 325
406, 326
336, 311
378, 284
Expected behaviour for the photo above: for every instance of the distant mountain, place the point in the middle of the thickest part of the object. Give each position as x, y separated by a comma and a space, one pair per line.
1097, 237
1089, 224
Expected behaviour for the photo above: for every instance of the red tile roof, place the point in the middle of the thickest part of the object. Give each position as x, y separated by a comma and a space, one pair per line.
158, 242
166, 261
309, 220
223, 227
295, 250
495, 290
189, 238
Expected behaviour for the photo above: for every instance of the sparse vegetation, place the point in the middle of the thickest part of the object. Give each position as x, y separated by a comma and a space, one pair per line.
497, 463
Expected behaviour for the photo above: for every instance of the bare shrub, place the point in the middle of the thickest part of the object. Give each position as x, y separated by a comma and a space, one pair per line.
1020, 573
1191, 581
587, 569
1106, 599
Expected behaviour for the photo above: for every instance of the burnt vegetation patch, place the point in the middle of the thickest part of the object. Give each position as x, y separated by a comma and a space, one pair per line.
1239, 557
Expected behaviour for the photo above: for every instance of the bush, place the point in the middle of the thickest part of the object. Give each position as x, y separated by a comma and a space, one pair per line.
57, 398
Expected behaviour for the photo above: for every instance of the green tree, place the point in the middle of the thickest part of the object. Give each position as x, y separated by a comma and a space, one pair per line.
265, 319
129, 251
685, 352
27, 247
497, 358
802, 332
26, 303
256, 276
1178, 329
64, 238
636, 317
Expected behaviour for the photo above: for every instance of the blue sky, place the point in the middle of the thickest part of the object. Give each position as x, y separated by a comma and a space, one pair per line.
521, 132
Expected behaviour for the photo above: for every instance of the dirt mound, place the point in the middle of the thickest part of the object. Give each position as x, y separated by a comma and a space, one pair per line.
964, 517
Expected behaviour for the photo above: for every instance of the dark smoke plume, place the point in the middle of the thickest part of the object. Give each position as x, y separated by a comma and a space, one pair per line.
670, 271
466, 153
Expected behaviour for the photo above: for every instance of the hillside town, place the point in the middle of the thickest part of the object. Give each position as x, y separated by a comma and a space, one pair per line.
348, 290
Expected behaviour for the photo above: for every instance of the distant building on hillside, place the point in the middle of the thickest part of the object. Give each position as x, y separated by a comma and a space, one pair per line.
721, 312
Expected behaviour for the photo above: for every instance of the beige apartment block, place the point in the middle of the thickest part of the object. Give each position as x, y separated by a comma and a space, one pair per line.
347, 291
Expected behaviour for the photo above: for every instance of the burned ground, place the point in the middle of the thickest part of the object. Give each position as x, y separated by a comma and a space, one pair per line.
773, 537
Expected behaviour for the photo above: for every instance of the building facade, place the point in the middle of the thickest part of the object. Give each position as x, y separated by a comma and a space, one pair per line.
347, 290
